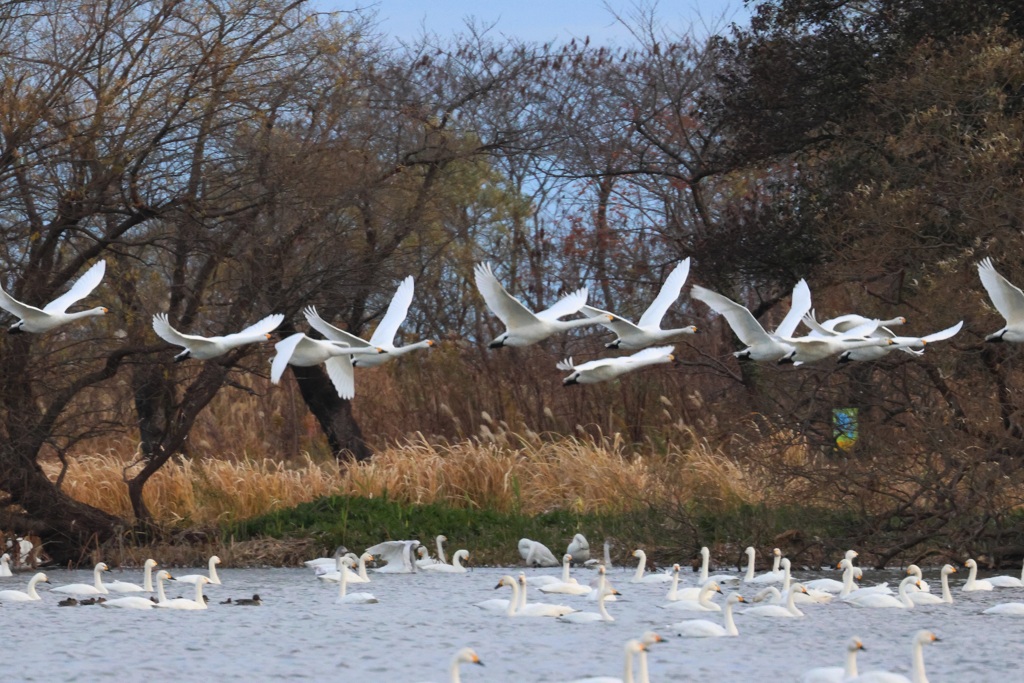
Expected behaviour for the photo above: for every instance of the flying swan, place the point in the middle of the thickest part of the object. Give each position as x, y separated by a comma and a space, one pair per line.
604, 369
55, 314
204, 348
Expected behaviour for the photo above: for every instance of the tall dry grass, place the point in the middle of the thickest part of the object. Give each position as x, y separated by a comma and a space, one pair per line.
503, 471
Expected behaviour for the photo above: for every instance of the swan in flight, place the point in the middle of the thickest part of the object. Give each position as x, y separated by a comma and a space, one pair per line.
454, 568
536, 554
815, 348
204, 348
304, 352
346, 598
701, 604
29, 594
602, 612
1007, 299
924, 598
647, 331
604, 369
97, 587
761, 346
641, 566
55, 314
1007, 581
184, 603
921, 638
702, 628
398, 556
579, 549
973, 583
705, 562
837, 674
383, 337
567, 584
212, 578
128, 587
633, 648
788, 611
882, 601
868, 353
523, 327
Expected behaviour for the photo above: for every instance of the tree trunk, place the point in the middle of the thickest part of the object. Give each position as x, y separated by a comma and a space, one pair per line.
154, 405
333, 413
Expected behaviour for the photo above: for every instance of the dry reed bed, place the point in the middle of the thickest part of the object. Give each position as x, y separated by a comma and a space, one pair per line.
530, 475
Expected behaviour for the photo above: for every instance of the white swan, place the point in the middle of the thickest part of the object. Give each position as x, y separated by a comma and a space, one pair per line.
761, 346
882, 601
850, 590
29, 594
129, 602
97, 587
973, 582
440, 540
923, 598
701, 604
326, 562
579, 549
831, 585
911, 345
161, 576
837, 674
464, 656
212, 578
776, 575
604, 369
55, 314
1007, 299
922, 585
184, 603
128, 587
602, 612
676, 593
454, 568
424, 557
536, 554
383, 337
538, 609
815, 348
705, 562
204, 348
702, 628
1004, 581
1006, 609
921, 638
304, 352
523, 327
567, 585
639, 576
633, 648
807, 596
346, 598
5, 566
788, 611
344, 563
647, 331
398, 556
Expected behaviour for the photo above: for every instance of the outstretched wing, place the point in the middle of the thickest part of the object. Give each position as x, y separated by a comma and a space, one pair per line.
667, 296
567, 305
79, 290
649, 354
285, 348
163, 329
330, 331
742, 322
616, 324
265, 326
15, 307
339, 369
509, 310
800, 305
1007, 298
386, 330
565, 364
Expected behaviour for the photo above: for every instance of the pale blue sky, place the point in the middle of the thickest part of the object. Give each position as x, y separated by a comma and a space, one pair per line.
541, 20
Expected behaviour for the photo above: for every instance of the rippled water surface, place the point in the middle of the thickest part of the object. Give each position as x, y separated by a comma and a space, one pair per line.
301, 634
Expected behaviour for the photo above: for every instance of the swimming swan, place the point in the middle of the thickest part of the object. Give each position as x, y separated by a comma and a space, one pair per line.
1008, 581
701, 604
647, 331
184, 603
345, 563
29, 594
1007, 299
881, 601
567, 584
837, 674
973, 582
464, 656
5, 566
127, 587
761, 346
383, 337
639, 576
705, 562
632, 649
776, 575
702, 628
923, 585
921, 638
602, 612
212, 578
304, 352
523, 327
538, 609
778, 611
97, 587
676, 593
454, 568
398, 556
346, 598
922, 598
604, 369
129, 602
54, 314
204, 348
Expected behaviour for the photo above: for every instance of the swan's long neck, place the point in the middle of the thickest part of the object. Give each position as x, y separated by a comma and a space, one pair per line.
455, 560
850, 671
440, 551
775, 563
453, 671
786, 578
750, 566
704, 561
704, 598
343, 582
99, 310
522, 595
627, 671
199, 594
918, 660
601, 609
972, 576
791, 604
97, 576
362, 569
730, 623
847, 579
608, 557
904, 598
565, 570
947, 597
1022, 573
147, 578
644, 676
563, 325
641, 565
213, 572
674, 590
160, 596
513, 602
32, 587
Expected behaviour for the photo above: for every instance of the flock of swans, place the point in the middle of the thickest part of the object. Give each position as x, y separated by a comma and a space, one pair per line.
851, 337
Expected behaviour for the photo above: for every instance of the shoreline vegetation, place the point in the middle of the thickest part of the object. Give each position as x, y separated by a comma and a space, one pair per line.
488, 492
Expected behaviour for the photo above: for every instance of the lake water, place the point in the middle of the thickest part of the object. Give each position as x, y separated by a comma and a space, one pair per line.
299, 633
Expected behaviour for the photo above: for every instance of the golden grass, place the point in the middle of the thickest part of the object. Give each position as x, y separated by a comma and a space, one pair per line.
498, 470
